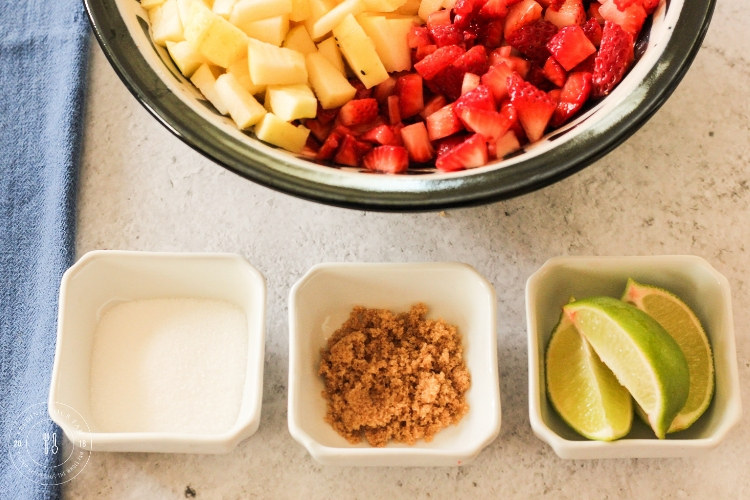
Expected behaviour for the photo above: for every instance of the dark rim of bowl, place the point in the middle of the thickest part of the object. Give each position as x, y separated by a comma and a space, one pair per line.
419, 193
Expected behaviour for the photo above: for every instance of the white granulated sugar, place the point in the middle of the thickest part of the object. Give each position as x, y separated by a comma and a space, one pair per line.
169, 365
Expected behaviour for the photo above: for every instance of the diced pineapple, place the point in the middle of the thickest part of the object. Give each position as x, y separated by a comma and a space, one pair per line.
185, 57
427, 7
224, 7
185, 9
276, 131
271, 65
330, 85
204, 79
272, 30
247, 11
242, 106
150, 4
330, 49
241, 71
332, 18
166, 24
410, 8
383, 5
298, 39
359, 51
300, 10
389, 37
318, 8
216, 38
449, 4
292, 102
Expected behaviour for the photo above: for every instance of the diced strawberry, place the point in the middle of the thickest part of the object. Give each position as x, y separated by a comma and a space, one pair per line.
434, 104
387, 159
593, 32
624, 4
423, 52
649, 6
319, 130
491, 124
310, 149
465, 11
448, 81
554, 72
330, 145
394, 115
613, 59
383, 135
631, 20
507, 144
479, 98
439, 18
326, 115
507, 109
362, 91
554, 95
494, 9
496, 79
410, 95
531, 40
449, 143
357, 130
587, 66
594, 12
417, 142
437, 61
521, 14
570, 13
493, 34
351, 151
469, 154
517, 64
445, 34
471, 81
537, 79
418, 36
358, 111
534, 107
442, 123
572, 97
570, 47
384, 90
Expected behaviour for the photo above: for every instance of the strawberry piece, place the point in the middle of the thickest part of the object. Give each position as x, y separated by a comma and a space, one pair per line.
491, 124
537, 79
631, 20
410, 95
382, 134
570, 47
496, 79
554, 72
570, 13
417, 142
445, 34
531, 40
449, 143
624, 4
311, 148
319, 130
554, 96
425, 51
517, 64
594, 12
586, 66
479, 98
493, 33
326, 115
394, 115
358, 111
437, 61
442, 123
362, 91
433, 105
593, 32
521, 14
351, 151
573, 96
387, 159
357, 130
507, 109
385, 89
448, 81
534, 107
439, 18
330, 145
470, 153
418, 36
465, 11
494, 9
507, 144
471, 81
649, 6
613, 59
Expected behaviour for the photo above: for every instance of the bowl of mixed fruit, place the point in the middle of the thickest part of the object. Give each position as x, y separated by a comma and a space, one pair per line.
401, 104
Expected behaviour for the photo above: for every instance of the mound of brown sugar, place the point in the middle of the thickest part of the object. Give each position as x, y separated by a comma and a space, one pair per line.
388, 376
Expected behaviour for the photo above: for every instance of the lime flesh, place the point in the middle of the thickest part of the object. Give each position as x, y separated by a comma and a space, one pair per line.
642, 355
685, 328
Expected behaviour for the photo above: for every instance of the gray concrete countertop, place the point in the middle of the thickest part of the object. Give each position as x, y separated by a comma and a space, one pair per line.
681, 185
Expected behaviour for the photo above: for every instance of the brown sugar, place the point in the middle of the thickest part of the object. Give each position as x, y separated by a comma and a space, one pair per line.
393, 376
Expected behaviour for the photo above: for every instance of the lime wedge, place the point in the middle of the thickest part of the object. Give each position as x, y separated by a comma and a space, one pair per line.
641, 354
682, 324
582, 389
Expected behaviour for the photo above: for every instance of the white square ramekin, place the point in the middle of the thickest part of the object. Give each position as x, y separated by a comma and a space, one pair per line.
689, 277
322, 300
101, 279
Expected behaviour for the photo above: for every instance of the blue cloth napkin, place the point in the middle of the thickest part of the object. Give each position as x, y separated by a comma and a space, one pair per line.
43, 52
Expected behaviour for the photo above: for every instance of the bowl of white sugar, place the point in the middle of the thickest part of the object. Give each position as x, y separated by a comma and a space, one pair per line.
159, 352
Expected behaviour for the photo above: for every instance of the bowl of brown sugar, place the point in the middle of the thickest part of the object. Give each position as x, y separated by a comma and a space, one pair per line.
393, 364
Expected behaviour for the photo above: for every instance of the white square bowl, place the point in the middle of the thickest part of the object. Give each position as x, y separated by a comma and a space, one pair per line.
689, 277
102, 279
322, 300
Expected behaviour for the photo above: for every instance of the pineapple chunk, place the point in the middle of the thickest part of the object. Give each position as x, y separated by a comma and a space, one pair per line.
330, 49
271, 65
383, 5
292, 102
298, 39
216, 38
166, 24
150, 4
318, 8
241, 71
332, 18
389, 37
410, 8
185, 57
427, 7
204, 79
272, 30
359, 51
276, 131
224, 7
242, 106
449, 4
300, 10
330, 85
247, 11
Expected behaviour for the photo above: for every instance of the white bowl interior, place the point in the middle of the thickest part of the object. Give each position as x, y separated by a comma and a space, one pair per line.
103, 279
322, 301
690, 278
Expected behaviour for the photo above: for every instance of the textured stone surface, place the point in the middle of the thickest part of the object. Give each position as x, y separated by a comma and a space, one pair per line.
681, 185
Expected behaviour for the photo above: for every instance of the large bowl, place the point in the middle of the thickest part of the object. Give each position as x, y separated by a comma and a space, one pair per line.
671, 42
